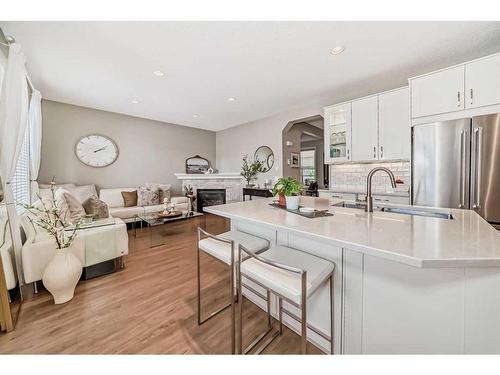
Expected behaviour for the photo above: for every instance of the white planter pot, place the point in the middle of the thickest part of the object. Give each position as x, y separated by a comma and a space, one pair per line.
292, 203
61, 275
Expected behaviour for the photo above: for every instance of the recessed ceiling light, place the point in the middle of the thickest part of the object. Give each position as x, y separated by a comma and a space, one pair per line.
231, 99
337, 50
196, 115
135, 102
158, 73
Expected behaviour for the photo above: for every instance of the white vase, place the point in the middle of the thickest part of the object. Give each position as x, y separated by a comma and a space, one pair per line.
61, 275
292, 202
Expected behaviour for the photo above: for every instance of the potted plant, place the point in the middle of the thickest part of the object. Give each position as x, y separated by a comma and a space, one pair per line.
288, 189
249, 171
64, 270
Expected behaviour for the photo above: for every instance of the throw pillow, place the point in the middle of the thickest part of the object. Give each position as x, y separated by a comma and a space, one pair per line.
129, 198
148, 195
82, 192
94, 206
164, 191
71, 209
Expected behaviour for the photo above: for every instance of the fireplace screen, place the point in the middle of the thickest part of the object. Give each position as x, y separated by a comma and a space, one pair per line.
209, 197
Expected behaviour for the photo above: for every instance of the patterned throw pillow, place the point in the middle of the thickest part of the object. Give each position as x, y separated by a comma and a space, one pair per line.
94, 206
164, 191
148, 195
71, 209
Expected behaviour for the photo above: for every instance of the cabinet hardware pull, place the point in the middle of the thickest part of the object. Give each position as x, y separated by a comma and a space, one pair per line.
381, 152
471, 96
458, 97
347, 154
374, 152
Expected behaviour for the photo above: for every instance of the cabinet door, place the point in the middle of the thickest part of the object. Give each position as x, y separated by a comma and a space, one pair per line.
481, 82
439, 92
394, 125
365, 129
337, 133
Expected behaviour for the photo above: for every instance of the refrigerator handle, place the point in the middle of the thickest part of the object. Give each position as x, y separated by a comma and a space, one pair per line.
478, 134
463, 136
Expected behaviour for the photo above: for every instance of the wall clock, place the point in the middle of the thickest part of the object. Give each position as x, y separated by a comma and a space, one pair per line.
96, 150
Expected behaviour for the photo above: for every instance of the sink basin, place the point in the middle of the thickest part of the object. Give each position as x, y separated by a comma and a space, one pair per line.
399, 210
417, 212
358, 205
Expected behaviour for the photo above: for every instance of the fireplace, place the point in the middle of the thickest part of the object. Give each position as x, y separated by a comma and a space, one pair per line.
209, 197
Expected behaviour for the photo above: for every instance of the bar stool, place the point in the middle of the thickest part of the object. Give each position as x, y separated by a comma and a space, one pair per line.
293, 276
224, 248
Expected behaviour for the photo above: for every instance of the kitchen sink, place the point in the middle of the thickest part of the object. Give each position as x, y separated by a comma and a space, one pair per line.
420, 211
417, 212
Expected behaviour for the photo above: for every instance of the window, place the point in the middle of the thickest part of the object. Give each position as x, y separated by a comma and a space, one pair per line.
21, 181
308, 166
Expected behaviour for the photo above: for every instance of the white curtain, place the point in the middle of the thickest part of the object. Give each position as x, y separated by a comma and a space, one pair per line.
35, 133
13, 124
13, 113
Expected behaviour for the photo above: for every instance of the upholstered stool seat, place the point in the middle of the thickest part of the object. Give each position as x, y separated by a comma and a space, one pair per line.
284, 282
222, 250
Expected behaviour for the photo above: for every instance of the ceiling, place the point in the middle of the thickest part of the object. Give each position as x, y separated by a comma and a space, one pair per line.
269, 67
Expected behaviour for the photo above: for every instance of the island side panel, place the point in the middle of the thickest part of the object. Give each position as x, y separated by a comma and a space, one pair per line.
409, 310
318, 308
482, 310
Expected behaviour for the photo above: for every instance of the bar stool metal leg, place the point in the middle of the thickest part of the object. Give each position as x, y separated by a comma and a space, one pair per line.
303, 343
231, 290
280, 314
332, 313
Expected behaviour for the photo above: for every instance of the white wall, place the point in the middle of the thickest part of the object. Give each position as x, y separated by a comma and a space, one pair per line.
234, 143
150, 151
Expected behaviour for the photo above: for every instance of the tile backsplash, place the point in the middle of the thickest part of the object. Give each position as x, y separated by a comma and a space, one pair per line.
352, 177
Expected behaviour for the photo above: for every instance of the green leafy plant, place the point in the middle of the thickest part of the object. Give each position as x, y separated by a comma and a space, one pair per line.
52, 219
287, 186
249, 171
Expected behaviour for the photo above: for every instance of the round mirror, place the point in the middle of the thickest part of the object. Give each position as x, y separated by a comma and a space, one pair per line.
265, 154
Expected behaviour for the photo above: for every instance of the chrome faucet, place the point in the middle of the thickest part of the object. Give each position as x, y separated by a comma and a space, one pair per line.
369, 199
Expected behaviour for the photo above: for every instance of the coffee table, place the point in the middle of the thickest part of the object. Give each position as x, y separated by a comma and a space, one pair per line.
156, 225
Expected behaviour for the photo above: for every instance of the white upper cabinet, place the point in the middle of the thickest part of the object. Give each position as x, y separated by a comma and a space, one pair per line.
439, 92
394, 125
482, 82
365, 129
337, 130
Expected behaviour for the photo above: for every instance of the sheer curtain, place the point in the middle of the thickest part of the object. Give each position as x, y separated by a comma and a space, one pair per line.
13, 113
13, 124
35, 142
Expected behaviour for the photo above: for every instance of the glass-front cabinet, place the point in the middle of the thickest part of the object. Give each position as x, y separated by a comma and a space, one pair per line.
337, 133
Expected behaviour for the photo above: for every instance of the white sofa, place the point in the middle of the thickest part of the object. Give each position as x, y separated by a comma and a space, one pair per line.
103, 243
113, 198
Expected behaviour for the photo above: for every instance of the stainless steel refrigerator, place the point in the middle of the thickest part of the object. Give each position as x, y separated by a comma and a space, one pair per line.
457, 164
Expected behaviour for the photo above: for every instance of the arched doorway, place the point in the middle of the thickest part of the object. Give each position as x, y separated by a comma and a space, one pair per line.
303, 156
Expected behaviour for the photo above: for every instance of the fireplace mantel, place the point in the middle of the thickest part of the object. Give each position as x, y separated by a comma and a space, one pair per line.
213, 176
232, 182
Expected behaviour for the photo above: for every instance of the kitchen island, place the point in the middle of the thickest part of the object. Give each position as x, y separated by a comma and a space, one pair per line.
403, 283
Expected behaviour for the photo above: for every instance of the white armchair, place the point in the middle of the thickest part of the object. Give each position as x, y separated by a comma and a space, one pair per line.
91, 246
7, 253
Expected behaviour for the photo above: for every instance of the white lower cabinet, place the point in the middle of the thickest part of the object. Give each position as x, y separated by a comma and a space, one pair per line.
385, 307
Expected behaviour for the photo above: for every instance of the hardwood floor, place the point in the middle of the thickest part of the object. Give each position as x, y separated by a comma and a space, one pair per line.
149, 307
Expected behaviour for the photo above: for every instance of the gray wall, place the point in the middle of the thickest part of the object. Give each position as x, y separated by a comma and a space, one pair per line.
150, 151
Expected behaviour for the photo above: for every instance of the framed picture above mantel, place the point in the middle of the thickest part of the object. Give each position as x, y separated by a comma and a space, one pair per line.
197, 165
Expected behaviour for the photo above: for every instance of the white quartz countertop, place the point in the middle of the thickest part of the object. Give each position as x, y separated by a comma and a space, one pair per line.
466, 241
